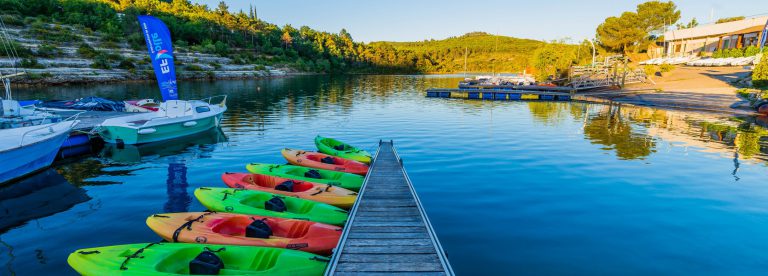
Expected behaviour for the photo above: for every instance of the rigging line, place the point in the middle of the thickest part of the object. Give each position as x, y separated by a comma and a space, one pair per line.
14, 55
5, 30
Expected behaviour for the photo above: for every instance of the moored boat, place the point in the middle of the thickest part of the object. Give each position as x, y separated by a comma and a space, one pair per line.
338, 148
175, 119
25, 150
237, 229
324, 193
260, 203
324, 161
186, 259
344, 180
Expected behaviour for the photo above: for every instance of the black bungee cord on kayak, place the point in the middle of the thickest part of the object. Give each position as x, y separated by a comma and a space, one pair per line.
135, 255
188, 225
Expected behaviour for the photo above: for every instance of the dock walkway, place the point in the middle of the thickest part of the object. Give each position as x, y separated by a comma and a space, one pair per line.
388, 230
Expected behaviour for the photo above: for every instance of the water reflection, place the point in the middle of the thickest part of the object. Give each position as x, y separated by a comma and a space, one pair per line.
38, 196
176, 154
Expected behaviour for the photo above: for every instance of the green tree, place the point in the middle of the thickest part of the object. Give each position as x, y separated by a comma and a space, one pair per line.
654, 16
621, 33
729, 19
691, 24
760, 74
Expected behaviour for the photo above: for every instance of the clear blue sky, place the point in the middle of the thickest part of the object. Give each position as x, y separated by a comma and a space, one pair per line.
413, 20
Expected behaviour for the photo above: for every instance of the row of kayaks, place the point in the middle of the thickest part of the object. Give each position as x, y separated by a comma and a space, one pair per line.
273, 220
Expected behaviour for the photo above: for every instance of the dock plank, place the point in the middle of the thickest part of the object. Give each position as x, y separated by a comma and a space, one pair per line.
388, 231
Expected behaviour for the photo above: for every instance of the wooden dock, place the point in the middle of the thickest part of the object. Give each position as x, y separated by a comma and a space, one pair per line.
498, 94
388, 230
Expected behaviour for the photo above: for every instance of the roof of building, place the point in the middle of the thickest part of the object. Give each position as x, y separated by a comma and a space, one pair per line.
717, 29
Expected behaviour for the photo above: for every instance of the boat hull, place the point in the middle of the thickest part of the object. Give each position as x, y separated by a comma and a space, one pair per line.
25, 160
133, 136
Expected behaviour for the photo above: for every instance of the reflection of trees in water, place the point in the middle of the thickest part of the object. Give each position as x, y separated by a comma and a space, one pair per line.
548, 113
608, 128
78, 173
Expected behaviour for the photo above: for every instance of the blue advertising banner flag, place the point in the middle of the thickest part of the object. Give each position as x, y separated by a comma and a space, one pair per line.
158, 40
762, 38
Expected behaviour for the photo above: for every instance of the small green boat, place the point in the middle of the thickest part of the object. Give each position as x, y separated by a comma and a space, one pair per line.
174, 119
251, 202
338, 148
344, 180
188, 259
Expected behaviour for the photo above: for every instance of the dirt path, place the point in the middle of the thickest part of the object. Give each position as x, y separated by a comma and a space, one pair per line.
696, 88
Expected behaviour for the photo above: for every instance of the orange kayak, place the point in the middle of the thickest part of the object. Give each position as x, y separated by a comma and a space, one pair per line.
324, 193
324, 161
236, 229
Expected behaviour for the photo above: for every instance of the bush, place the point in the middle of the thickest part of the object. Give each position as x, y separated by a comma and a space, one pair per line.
735, 53
650, 70
126, 64
751, 51
87, 51
14, 20
48, 51
194, 67
666, 68
760, 74
110, 44
30, 63
101, 62
215, 65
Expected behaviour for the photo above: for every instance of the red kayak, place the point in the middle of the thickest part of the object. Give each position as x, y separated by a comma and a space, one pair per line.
324, 193
324, 161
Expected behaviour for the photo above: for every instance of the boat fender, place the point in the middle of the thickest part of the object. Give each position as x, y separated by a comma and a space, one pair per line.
206, 263
327, 160
313, 174
258, 229
190, 123
275, 204
286, 186
147, 131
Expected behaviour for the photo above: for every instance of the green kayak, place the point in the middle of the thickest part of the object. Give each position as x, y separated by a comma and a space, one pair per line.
186, 259
344, 180
338, 148
251, 202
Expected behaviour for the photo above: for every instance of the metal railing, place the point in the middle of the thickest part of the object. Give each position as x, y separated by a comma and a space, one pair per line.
72, 120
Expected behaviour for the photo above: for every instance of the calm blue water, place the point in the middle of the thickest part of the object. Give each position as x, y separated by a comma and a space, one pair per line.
510, 187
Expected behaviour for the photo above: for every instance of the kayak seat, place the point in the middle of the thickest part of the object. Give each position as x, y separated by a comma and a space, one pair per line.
286, 186
275, 204
328, 160
313, 174
258, 229
339, 147
206, 263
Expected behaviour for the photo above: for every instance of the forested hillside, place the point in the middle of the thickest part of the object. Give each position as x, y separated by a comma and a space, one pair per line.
484, 52
100, 30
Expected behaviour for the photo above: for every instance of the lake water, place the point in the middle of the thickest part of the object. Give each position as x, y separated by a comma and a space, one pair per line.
510, 187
